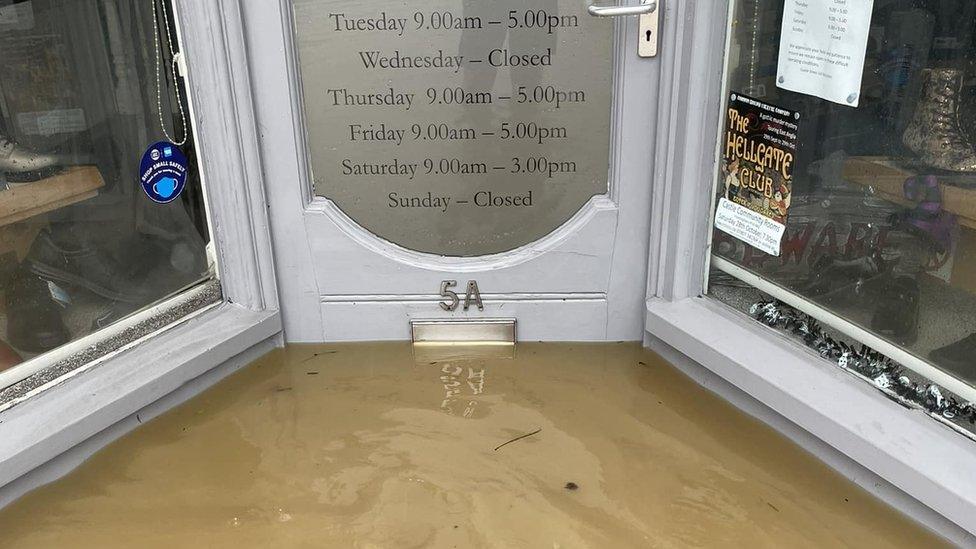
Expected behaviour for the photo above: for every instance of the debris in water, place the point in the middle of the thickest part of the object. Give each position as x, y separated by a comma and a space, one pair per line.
518, 438
316, 355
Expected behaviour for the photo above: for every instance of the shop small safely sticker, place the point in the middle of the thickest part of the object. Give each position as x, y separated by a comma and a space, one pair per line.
163, 172
749, 226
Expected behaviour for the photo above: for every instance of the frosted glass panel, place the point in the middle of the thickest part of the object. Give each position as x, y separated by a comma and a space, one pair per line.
456, 127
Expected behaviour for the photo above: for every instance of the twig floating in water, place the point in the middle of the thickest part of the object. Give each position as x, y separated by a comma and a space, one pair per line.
316, 355
516, 439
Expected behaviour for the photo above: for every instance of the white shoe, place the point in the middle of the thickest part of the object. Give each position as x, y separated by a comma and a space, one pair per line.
18, 161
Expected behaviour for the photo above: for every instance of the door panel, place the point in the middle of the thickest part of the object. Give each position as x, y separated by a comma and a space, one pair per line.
581, 247
584, 279
456, 127
389, 320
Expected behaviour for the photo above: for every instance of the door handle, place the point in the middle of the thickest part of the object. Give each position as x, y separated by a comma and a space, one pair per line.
648, 6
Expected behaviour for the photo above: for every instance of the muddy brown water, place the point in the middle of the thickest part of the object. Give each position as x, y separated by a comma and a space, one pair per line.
376, 445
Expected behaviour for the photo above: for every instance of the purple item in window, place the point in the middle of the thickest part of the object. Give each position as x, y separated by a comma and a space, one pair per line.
928, 216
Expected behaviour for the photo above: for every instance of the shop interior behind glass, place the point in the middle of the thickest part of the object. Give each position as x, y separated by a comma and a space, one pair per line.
85, 87
881, 224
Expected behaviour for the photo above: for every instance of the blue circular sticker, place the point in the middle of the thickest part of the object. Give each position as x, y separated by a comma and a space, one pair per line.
163, 172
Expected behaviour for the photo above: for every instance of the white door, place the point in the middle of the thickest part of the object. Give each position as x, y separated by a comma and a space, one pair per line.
504, 143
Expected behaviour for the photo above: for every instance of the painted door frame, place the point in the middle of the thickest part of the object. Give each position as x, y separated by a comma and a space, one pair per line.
582, 282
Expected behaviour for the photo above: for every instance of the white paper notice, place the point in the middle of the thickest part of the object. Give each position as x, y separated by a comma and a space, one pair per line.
822, 48
52, 122
749, 226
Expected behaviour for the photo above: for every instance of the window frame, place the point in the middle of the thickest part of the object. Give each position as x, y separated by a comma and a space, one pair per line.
74, 415
922, 461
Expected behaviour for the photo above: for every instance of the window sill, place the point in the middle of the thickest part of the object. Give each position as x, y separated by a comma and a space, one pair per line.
91, 349
916, 454
55, 419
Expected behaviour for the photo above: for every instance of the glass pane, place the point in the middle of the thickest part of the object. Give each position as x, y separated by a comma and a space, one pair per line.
870, 173
457, 127
82, 245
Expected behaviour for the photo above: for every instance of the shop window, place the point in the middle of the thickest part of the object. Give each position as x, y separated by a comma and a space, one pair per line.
847, 172
96, 222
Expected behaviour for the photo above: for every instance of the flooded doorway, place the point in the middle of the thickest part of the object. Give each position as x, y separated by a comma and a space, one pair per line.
376, 445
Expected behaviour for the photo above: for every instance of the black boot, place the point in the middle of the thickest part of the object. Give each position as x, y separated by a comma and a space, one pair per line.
34, 322
896, 317
87, 267
958, 357
830, 273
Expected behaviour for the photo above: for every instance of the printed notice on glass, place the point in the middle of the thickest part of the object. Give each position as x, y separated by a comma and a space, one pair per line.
749, 226
456, 127
822, 48
758, 153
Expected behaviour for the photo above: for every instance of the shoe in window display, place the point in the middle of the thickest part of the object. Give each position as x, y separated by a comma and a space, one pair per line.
85, 266
167, 265
34, 321
830, 273
935, 134
958, 356
20, 164
896, 317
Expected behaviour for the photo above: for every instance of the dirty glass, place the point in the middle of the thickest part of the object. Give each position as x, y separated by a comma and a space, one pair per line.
847, 170
86, 86
456, 127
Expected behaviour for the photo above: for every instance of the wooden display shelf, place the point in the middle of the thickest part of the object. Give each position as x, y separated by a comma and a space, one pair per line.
887, 178
68, 187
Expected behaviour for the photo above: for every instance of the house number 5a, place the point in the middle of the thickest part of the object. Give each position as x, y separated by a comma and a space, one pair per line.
472, 296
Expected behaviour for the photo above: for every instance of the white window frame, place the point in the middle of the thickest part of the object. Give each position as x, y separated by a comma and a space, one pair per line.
82, 411
902, 455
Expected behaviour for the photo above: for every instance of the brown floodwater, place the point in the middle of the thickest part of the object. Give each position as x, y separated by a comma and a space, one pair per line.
376, 445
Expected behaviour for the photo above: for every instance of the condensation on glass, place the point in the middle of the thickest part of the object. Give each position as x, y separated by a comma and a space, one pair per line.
880, 216
458, 128
81, 245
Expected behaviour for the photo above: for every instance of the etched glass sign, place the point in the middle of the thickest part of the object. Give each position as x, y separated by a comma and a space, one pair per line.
456, 127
